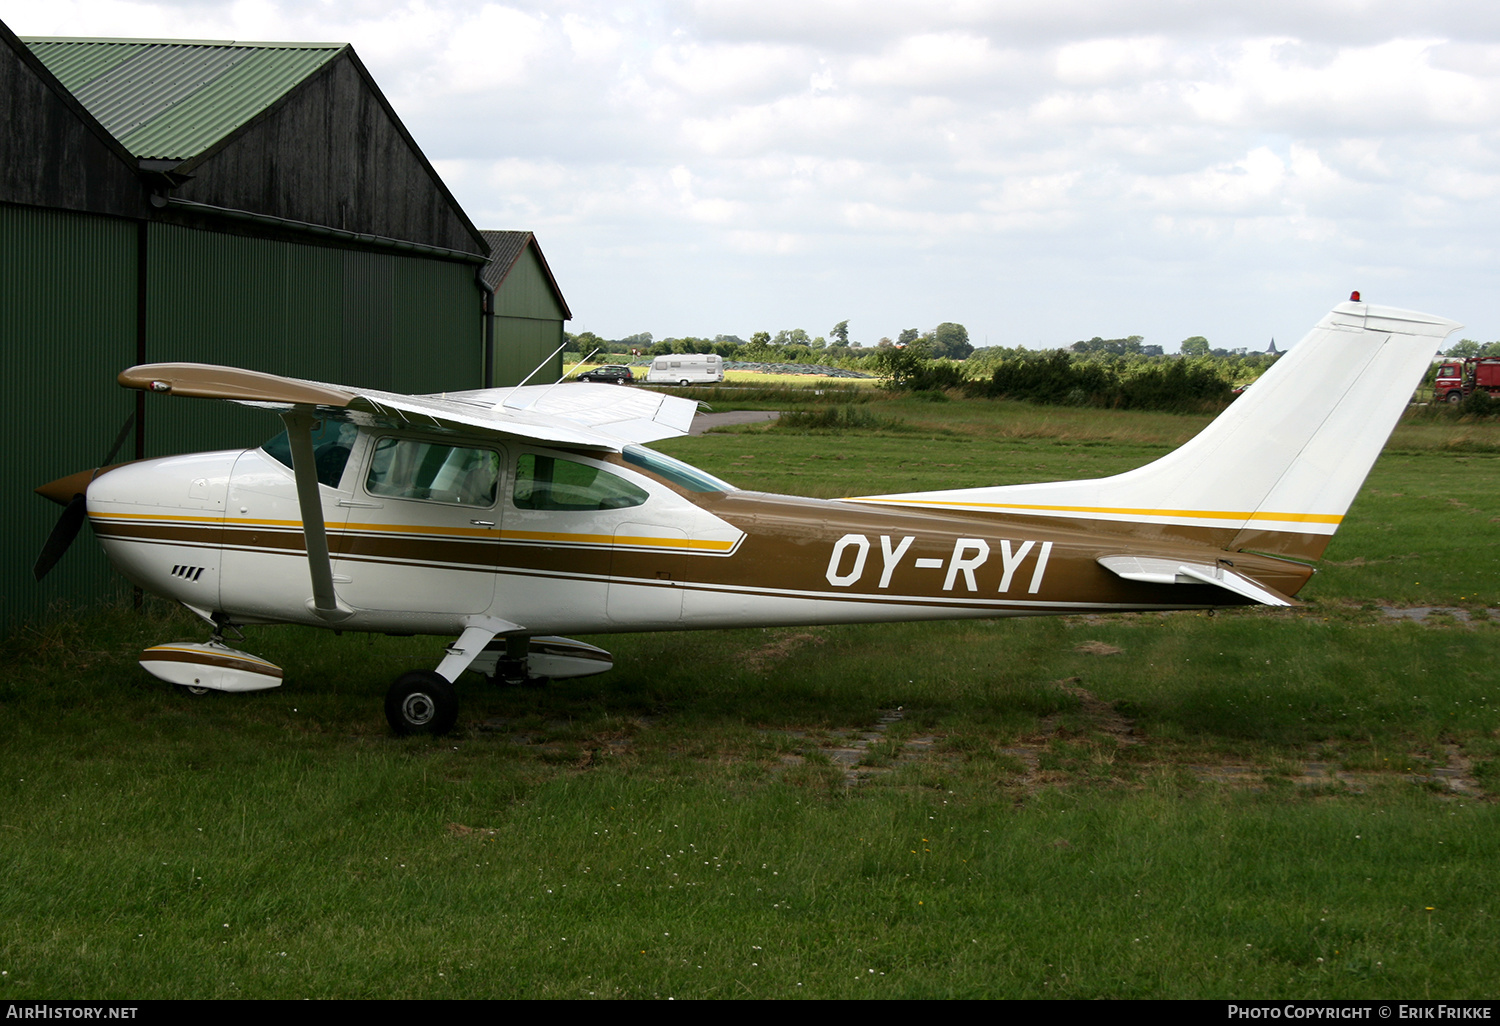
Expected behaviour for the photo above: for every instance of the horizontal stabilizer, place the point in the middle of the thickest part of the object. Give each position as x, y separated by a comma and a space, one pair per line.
1155, 570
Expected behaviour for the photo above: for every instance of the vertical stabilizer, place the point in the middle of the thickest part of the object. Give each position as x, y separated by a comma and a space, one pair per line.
1275, 472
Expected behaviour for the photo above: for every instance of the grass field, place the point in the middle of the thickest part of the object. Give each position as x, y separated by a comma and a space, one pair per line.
1254, 804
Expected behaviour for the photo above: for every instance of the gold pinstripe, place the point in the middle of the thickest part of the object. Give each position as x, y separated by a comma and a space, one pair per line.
487, 533
1195, 514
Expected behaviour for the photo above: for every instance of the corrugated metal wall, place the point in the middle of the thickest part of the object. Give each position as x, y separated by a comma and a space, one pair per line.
378, 320
439, 327
520, 344
528, 324
526, 292
67, 326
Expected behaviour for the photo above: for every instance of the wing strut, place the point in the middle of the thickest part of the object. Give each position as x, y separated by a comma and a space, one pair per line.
305, 465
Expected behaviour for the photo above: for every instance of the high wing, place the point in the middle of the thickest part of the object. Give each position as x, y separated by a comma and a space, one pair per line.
584, 416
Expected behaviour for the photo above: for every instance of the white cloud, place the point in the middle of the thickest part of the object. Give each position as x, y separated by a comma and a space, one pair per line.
733, 73
928, 61
1111, 61
490, 49
592, 39
810, 160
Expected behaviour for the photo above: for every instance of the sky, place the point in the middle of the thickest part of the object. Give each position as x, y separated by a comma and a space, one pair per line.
1041, 171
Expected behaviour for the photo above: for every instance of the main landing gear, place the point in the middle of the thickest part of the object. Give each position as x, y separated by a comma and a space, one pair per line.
420, 701
425, 701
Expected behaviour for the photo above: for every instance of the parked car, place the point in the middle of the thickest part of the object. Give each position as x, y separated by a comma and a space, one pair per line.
611, 374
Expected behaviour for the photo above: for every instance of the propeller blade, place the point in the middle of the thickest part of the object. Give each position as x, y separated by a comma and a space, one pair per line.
62, 535
119, 440
76, 511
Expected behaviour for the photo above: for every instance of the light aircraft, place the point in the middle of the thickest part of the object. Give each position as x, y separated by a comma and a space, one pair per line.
504, 517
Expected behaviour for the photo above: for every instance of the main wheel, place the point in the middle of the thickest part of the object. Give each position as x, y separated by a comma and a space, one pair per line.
421, 702
683, 383
1455, 397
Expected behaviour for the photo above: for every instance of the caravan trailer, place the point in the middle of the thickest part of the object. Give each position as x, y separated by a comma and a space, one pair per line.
686, 369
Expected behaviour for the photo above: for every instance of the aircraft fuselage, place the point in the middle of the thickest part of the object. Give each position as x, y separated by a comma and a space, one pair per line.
583, 542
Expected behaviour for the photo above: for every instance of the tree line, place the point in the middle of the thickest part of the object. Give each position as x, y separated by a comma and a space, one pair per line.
948, 340
1467, 347
1122, 373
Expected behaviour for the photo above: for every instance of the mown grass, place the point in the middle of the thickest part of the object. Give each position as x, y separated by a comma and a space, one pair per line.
1047, 816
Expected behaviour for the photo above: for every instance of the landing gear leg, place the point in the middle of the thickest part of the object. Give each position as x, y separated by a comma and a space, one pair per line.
512, 669
423, 701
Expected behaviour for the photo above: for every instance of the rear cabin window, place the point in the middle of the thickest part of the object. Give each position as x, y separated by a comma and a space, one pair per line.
406, 468
545, 482
682, 474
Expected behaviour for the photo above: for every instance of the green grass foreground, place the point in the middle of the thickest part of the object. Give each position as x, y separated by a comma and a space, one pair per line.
1255, 804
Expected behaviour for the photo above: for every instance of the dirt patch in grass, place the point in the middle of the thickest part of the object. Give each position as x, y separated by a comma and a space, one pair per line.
758, 660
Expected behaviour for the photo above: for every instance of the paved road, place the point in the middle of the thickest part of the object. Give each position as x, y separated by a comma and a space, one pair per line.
703, 421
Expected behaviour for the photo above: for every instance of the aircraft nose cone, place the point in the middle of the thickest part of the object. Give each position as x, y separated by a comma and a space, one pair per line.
63, 489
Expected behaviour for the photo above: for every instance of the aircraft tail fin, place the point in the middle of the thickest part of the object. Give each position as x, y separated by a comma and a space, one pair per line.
1276, 471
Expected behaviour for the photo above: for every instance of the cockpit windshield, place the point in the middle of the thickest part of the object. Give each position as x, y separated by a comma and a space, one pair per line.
332, 442
674, 470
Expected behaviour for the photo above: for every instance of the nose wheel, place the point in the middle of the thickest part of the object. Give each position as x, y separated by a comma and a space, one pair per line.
421, 702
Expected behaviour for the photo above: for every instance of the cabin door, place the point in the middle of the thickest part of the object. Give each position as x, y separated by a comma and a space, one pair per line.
423, 530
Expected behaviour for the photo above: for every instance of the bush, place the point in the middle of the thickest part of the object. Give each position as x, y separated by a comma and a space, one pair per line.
833, 419
1054, 377
1478, 404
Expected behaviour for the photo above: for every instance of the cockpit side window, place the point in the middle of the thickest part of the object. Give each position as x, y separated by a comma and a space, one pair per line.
409, 468
332, 442
544, 482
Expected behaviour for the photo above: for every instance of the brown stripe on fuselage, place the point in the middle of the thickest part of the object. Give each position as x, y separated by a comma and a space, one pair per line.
789, 548
207, 535
790, 541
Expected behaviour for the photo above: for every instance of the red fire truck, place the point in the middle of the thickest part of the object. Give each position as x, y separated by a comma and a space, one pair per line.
1456, 378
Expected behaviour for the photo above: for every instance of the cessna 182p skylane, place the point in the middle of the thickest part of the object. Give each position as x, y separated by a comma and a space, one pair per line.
504, 516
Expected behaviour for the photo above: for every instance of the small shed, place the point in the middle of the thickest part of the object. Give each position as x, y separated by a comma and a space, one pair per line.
528, 311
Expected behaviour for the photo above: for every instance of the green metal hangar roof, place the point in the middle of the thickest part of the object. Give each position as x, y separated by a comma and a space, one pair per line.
297, 131
256, 204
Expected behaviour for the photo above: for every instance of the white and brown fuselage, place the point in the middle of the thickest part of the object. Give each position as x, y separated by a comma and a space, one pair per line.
231, 542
